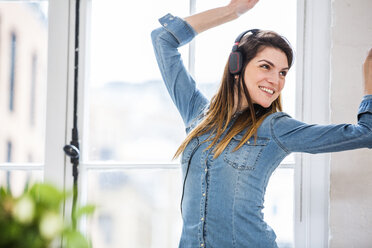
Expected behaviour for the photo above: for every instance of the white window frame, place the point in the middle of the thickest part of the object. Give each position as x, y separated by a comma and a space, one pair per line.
311, 171
313, 103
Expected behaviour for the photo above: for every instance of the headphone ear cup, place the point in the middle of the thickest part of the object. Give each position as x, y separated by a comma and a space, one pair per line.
235, 62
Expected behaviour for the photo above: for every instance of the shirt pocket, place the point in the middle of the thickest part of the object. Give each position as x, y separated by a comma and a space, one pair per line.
246, 157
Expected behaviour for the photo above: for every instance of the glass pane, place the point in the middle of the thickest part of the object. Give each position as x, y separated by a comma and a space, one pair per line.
131, 117
136, 208
23, 61
278, 209
17, 180
214, 46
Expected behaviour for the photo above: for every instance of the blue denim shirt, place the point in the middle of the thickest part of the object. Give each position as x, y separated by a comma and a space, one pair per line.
223, 197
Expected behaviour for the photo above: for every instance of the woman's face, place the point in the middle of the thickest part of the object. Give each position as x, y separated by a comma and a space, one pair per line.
265, 76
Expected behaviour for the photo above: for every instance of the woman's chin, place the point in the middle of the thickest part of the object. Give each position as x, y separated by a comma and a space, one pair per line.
264, 105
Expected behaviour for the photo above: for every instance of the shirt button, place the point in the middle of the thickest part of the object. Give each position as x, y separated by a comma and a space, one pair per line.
165, 24
203, 194
205, 169
248, 142
202, 245
202, 219
171, 18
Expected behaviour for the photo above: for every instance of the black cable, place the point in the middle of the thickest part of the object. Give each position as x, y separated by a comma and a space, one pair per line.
187, 172
72, 150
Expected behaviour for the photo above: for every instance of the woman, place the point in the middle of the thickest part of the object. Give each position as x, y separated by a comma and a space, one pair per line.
238, 139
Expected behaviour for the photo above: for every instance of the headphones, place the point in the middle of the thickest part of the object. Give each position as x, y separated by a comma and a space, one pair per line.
236, 57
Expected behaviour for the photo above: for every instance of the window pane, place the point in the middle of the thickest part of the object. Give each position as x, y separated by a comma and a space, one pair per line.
23, 55
136, 208
131, 116
17, 180
278, 211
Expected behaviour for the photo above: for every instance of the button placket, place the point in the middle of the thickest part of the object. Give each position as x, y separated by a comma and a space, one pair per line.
204, 184
207, 163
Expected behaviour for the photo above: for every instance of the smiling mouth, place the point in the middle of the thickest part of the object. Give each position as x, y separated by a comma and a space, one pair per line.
270, 91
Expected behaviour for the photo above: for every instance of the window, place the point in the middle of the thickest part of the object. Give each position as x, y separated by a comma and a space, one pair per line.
118, 171
132, 129
131, 117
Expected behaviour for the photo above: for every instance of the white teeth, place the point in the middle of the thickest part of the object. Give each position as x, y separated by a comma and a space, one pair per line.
267, 90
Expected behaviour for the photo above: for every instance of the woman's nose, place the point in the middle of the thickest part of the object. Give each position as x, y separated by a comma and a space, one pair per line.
274, 78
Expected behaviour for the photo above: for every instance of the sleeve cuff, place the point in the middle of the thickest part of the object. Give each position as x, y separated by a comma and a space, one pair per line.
179, 28
366, 105
367, 97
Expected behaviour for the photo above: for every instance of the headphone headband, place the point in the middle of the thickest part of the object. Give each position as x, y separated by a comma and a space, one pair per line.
240, 36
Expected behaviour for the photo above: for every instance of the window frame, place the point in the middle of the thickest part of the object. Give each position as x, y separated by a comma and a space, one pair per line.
313, 106
311, 180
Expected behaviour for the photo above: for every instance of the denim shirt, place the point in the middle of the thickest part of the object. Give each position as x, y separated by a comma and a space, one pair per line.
224, 196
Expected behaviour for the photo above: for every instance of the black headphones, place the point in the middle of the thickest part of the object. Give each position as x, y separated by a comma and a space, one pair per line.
236, 57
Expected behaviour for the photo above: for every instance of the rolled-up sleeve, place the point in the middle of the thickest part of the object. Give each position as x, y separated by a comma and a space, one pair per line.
296, 136
180, 29
174, 33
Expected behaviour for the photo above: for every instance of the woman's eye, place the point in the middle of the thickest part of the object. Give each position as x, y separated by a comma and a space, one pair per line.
283, 73
265, 66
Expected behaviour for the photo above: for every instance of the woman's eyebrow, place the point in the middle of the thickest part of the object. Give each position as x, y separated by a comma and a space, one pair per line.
272, 64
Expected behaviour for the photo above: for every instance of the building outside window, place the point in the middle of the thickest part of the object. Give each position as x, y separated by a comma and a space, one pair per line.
33, 89
13, 47
23, 39
9, 152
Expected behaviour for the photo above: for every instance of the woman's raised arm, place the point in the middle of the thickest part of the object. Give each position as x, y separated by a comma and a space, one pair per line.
176, 32
217, 16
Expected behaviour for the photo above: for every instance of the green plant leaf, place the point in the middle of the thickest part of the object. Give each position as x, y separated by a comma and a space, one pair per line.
47, 195
85, 210
3, 193
76, 240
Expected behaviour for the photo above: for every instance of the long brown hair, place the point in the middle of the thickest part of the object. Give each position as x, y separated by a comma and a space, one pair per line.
220, 112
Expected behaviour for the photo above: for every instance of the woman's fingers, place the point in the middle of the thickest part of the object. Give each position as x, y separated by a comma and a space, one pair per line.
242, 6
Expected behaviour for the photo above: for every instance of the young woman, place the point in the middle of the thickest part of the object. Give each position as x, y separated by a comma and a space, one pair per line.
238, 139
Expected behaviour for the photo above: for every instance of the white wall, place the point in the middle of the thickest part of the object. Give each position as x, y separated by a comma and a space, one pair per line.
350, 216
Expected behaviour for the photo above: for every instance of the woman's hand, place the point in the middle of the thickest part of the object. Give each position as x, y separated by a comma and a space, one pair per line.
367, 68
242, 6
217, 16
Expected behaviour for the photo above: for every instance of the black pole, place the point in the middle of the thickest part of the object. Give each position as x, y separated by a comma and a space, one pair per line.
72, 150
